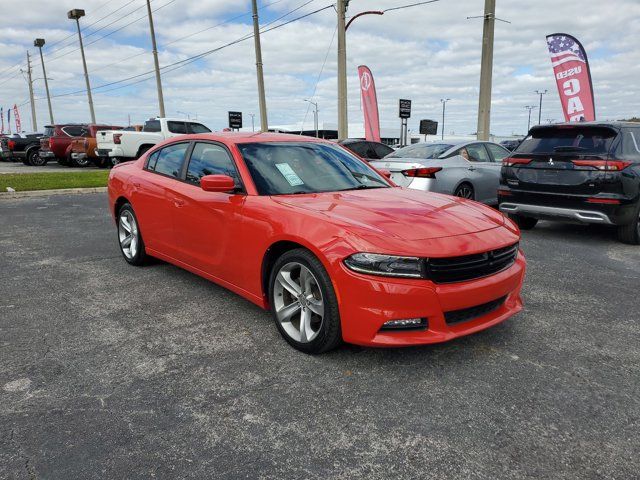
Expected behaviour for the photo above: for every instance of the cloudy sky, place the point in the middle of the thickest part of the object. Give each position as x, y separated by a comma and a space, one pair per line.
423, 53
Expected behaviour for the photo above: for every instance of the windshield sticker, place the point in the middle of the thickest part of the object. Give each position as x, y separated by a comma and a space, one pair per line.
289, 175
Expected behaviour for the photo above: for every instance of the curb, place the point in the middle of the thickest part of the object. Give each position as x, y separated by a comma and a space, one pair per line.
46, 193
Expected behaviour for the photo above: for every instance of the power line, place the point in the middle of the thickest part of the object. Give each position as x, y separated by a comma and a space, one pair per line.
182, 63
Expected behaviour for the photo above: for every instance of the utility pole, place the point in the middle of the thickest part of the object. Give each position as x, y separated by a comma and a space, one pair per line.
529, 107
444, 106
343, 126
264, 124
76, 14
34, 122
541, 93
315, 115
39, 42
253, 123
486, 70
155, 60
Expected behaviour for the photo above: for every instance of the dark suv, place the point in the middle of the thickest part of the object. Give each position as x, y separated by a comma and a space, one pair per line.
579, 172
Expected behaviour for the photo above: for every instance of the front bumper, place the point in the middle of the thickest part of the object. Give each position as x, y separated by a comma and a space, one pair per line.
367, 302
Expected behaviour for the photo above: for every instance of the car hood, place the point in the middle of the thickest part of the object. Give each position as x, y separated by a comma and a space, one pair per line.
398, 212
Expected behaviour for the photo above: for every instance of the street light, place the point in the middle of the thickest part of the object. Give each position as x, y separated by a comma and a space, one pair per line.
444, 106
541, 93
529, 107
76, 14
315, 114
39, 42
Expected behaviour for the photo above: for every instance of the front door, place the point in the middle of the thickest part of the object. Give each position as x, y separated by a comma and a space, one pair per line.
485, 172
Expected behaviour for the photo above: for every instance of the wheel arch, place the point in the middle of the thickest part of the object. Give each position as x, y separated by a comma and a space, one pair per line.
120, 201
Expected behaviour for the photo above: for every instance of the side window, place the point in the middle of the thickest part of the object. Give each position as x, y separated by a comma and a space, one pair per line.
168, 161
477, 153
358, 148
369, 151
498, 153
198, 128
177, 127
152, 126
210, 159
631, 144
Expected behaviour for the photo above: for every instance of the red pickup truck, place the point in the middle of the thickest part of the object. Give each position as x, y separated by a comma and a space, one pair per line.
56, 143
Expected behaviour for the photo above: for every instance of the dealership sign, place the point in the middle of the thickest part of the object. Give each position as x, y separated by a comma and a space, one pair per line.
235, 120
573, 77
405, 108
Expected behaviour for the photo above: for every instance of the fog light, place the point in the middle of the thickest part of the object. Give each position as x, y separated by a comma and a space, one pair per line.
406, 324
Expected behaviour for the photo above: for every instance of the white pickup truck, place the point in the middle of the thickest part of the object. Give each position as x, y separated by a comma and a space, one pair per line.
115, 146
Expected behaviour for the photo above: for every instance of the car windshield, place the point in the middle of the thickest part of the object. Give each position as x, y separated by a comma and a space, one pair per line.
421, 150
583, 140
293, 168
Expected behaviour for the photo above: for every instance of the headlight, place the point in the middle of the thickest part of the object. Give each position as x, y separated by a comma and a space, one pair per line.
386, 265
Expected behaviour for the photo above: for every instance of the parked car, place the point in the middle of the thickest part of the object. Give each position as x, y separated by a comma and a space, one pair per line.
20, 148
580, 172
83, 150
116, 146
367, 149
470, 170
302, 227
511, 145
56, 142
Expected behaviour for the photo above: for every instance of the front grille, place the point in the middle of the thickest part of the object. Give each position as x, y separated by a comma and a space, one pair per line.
471, 313
469, 267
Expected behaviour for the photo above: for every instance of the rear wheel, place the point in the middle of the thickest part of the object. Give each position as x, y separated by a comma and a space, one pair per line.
524, 223
631, 233
35, 159
303, 302
75, 162
465, 190
129, 236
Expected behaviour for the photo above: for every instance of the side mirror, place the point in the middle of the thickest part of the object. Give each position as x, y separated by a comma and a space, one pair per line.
217, 183
385, 173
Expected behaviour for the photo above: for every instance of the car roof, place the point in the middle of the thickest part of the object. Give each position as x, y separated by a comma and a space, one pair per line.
251, 137
611, 124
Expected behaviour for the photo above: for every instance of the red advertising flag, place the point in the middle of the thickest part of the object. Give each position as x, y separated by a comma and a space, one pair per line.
369, 104
573, 77
16, 116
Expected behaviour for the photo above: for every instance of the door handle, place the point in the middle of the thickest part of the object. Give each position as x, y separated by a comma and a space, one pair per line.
471, 169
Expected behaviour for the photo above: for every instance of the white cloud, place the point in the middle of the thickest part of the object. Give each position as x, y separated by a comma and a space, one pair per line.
423, 53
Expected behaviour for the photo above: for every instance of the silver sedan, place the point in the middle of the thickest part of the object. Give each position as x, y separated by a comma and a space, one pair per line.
470, 169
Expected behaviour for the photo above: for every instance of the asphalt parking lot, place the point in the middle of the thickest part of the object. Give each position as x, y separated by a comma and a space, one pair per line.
19, 167
111, 371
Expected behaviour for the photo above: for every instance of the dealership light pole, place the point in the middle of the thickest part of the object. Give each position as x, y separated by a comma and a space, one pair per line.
444, 106
486, 70
541, 93
39, 42
76, 14
529, 107
155, 60
264, 125
315, 115
343, 127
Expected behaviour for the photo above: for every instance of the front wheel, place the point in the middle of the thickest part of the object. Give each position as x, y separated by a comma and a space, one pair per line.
303, 302
35, 160
631, 233
524, 223
129, 236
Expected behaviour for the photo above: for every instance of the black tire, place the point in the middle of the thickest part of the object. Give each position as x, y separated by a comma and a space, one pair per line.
631, 233
329, 335
34, 158
465, 190
74, 162
524, 223
63, 161
139, 257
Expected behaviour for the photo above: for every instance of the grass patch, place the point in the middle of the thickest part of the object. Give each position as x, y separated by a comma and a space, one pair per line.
23, 182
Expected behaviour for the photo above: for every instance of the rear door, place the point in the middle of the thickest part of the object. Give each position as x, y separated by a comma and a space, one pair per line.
564, 159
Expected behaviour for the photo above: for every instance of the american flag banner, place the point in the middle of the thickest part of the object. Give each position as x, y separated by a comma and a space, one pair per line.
573, 77
16, 116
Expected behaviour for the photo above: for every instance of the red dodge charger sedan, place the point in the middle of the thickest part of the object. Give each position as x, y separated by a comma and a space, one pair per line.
334, 249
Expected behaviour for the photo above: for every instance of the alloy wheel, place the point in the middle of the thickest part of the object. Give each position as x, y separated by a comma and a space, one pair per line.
298, 302
128, 234
465, 191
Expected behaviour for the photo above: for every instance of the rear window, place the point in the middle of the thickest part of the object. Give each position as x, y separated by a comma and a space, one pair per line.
583, 140
198, 128
421, 150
